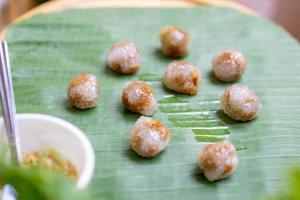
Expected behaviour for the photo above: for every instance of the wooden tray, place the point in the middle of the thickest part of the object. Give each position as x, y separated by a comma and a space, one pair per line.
59, 5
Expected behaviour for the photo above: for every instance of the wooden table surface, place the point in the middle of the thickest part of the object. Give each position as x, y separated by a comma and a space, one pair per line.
60, 5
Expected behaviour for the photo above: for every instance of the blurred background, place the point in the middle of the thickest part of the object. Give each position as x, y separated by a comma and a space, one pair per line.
283, 12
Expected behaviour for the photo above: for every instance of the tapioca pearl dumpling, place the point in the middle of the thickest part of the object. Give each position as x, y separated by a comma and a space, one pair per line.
124, 58
182, 77
228, 66
174, 42
239, 102
149, 137
138, 97
218, 160
83, 91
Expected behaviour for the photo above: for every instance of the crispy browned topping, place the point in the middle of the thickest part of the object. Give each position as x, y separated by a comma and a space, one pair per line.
124, 58
118, 67
240, 103
218, 160
160, 128
149, 137
226, 56
143, 94
182, 77
80, 79
229, 65
137, 142
195, 83
211, 154
179, 79
174, 41
83, 91
51, 160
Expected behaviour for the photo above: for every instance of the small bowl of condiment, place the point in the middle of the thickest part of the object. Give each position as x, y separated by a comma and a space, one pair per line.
54, 143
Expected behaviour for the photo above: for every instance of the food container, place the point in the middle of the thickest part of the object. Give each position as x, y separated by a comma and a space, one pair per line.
40, 132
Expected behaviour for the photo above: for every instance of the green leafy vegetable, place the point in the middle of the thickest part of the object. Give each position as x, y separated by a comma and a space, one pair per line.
36, 183
291, 190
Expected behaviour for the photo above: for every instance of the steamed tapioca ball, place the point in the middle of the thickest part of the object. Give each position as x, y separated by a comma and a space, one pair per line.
138, 97
182, 77
240, 103
174, 41
83, 91
149, 137
124, 58
228, 65
218, 160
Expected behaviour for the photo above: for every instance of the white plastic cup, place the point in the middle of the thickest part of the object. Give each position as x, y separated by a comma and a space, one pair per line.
39, 132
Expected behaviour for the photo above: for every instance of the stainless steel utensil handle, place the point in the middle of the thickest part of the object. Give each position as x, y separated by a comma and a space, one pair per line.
8, 103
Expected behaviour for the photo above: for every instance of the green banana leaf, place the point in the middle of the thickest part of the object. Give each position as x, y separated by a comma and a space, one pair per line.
48, 50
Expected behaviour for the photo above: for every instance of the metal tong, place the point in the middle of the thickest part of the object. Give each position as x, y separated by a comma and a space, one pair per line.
8, 104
